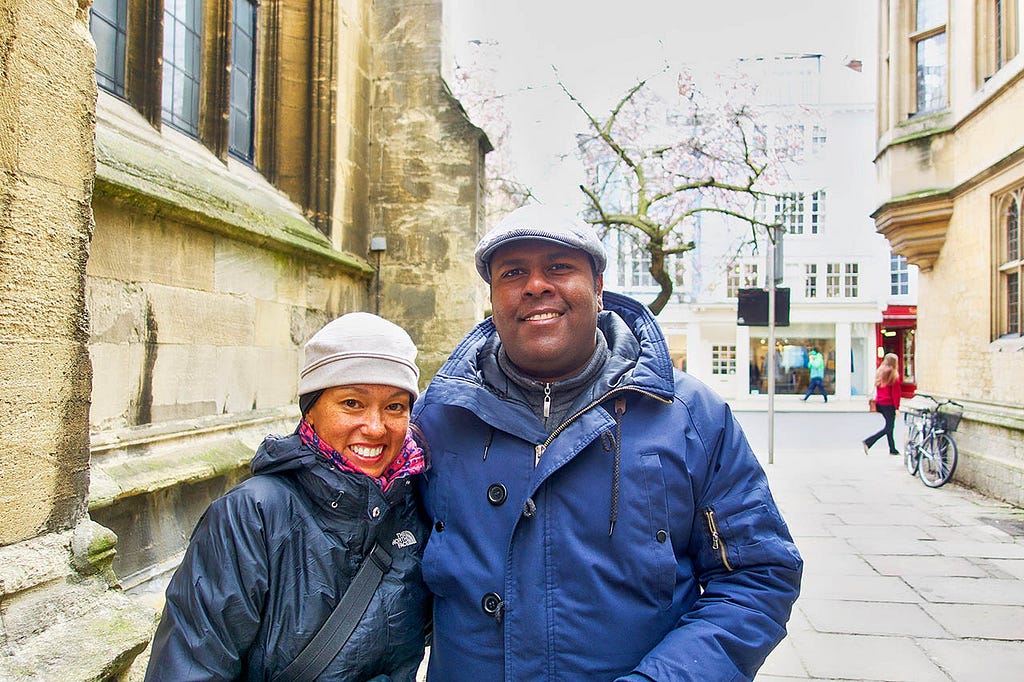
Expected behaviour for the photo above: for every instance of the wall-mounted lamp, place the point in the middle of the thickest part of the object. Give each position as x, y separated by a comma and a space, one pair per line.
378, 245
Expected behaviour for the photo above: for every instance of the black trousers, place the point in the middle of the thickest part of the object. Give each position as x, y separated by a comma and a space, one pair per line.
889, 412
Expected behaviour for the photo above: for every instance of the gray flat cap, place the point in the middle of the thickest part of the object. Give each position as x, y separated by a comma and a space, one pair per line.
540, 222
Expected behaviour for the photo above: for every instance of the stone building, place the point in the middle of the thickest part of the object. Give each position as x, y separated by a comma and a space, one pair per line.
950, 169
245, 172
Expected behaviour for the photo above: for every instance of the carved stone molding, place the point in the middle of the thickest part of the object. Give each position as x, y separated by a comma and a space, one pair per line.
916, 226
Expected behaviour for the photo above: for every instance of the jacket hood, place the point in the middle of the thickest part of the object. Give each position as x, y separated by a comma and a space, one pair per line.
278, 454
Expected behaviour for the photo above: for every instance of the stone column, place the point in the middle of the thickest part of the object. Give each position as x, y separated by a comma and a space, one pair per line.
696, 363
742, 384
59, 619
426, 161
843, 349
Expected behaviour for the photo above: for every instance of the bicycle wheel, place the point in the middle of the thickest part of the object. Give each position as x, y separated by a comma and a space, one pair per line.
939, 463
911, 457
911, 438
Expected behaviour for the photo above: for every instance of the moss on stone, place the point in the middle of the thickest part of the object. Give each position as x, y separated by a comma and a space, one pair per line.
132, 172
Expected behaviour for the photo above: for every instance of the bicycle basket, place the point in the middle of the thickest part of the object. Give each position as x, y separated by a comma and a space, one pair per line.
949, 417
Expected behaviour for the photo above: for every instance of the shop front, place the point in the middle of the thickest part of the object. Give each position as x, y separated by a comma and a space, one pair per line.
792, 358
897, 334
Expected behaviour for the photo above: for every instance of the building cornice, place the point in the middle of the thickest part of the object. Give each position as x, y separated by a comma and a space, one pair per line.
916, 225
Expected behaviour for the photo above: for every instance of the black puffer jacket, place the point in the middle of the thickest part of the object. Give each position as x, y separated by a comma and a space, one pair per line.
268, 562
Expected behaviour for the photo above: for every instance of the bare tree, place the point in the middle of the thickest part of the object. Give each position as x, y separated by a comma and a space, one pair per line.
473, 85
658, 160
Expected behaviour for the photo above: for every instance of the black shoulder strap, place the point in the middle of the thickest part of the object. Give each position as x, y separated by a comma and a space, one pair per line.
326, 644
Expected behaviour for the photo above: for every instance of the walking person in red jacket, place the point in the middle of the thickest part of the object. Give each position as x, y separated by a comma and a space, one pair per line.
887, 400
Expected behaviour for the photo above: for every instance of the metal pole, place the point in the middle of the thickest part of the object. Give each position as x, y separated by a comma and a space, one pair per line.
771, 345
378, 283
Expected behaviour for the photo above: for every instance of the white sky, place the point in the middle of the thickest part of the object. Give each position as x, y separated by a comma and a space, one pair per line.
601, 47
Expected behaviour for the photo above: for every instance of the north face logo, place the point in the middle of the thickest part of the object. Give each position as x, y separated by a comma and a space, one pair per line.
404, 539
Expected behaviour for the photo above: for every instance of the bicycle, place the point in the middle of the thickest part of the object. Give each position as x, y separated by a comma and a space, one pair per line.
930, 451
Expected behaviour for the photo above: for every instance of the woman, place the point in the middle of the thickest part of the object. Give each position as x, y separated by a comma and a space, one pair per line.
887, 400
269, 561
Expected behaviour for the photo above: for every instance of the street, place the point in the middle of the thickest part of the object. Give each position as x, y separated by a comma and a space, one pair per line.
901, 582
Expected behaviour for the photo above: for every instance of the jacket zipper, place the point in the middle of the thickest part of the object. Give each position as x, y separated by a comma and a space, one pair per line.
539, 449
716, 540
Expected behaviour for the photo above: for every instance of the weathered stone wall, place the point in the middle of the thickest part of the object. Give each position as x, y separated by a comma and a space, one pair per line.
46, 159
956, 356
59, 619
205, 279
425, 193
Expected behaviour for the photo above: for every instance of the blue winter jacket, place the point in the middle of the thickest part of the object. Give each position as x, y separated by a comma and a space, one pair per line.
269, 561
644, 542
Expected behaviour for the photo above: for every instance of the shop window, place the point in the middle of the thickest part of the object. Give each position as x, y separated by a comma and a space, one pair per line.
929, 49
791, 357
108, 23
723, 360
1010, 267
909, 360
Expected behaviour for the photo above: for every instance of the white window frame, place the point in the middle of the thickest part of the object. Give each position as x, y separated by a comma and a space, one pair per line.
723, 359
810, 280
928, 43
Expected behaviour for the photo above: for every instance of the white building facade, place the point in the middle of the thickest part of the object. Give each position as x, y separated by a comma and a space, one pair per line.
840, 273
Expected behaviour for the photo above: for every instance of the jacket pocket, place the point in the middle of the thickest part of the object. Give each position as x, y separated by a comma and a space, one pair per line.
741, 530
663, 573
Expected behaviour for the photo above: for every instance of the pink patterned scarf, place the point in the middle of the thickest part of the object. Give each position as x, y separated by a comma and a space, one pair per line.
410, 459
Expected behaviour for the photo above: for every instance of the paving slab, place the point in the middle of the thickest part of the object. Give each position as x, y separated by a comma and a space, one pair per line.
859, 657
985, 550
926, 566
871, 588
894, 546
783, 662
952, 590
1012, 567
971, 661
885, 530
871, 618
980, 621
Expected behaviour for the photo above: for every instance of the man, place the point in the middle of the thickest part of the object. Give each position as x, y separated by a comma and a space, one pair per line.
597, 514
816, 367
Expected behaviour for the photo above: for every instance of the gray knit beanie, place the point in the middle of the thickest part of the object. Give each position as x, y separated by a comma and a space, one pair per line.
540, 222
359, 348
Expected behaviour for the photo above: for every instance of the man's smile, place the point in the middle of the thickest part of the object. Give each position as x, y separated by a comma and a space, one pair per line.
536, 317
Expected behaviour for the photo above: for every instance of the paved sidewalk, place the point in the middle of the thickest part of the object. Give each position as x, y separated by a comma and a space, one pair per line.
901, 582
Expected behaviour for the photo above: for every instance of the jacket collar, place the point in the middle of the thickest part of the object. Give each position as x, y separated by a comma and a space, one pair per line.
639, 359
332, 490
